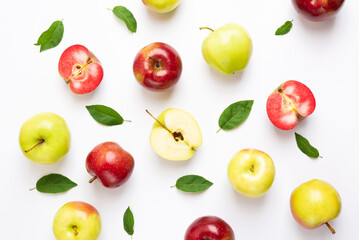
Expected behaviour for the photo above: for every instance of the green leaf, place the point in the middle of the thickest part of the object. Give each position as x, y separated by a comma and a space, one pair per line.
193, 183
54, 183
51, 37
125, 15
128, 221
235, 114
304, 146
105, 115
285, 28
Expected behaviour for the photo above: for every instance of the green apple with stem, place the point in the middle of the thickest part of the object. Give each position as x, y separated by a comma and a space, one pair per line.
161, 6
228, 48
251, 172
315, 203
77, 221
45, 138
175, 135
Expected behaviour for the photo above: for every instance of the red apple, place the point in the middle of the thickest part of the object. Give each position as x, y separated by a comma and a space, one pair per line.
157, 67
317, 10
209, 227
289, 102
80, 69
110, 163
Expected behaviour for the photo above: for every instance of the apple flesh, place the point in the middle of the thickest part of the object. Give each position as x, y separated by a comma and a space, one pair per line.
289, 102
318, 10
110, 163
227, 49
175, 135
315, 203
209, 227
77, 220
80, 69
45, 138
161, 6
251, 172
157, 67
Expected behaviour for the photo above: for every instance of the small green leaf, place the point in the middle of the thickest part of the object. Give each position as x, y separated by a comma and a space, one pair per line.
304, 146
128, 221
51, 37
125, 15
235, 114
105, 115
193, 183
285, 28
54, 183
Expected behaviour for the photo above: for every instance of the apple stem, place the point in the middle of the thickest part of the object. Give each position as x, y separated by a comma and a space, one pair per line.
159, 122
92, 179
330, 228
75, 229
201, 28
157, 63
37, 144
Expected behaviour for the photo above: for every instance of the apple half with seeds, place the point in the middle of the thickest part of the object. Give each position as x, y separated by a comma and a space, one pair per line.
175, 135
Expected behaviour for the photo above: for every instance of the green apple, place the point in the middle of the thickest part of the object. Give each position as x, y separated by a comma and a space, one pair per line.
77, 221
175, 135
161, 6
251, 172
45, 138
228, 48
315, 203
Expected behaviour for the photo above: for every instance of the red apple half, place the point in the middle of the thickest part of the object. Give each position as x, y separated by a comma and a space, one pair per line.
289, 102
80, 69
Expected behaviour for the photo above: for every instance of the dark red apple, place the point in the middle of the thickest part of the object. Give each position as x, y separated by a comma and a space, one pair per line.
289, 102
110, 163
317, 10
80, 69
157, 67
209, 228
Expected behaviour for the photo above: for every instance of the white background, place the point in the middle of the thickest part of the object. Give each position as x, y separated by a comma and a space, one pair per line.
324, 56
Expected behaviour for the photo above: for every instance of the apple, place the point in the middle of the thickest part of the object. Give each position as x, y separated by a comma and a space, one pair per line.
315, 203
318, 10
157, 67
110, 163
161, 6
77, 220
251, 172
45, 138
209, 227
80, 69
228, 48
175, 135
289, 102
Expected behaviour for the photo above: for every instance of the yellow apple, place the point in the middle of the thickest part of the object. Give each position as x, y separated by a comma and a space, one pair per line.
175, 135
315, 203
251, 172
161, 6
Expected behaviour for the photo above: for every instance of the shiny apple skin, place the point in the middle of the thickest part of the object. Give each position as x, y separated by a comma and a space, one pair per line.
209, 228
318, 10
110, 163
157, 67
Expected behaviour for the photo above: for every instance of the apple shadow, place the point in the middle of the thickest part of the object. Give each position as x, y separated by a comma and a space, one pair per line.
317, 27
157, 96
226, 78
162, 17
249, 202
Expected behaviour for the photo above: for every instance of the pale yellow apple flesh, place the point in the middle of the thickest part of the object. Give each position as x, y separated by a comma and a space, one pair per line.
181, 124
251, 172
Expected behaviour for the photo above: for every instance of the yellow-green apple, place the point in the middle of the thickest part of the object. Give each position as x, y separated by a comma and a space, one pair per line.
175, 135
77, 221
161, 6
289, 102
251, 172
318, 10
315, 203
80, 69
209, 227
228, 48
45, 138
157, 67
110, 163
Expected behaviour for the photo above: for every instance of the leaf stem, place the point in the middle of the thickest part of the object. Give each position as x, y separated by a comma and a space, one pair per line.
109, 9
41, 141
173, 186
31, 189
330, 228
92, 179
201, 28
127, 120
219, 130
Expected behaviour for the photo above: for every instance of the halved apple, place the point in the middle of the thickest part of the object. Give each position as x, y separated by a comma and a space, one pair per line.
175, 135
